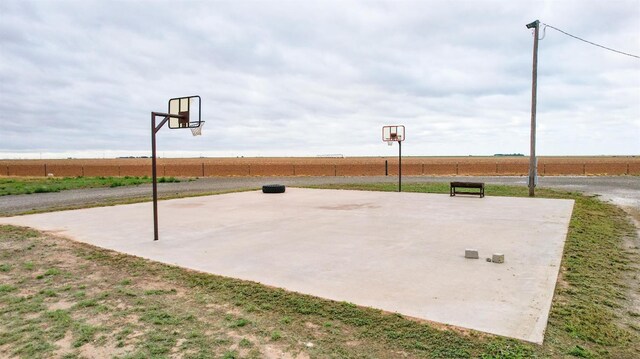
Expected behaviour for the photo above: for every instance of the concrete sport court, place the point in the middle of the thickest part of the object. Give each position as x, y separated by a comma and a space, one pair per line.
399, 252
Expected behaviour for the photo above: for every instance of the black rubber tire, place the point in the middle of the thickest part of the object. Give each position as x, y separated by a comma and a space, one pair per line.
273, 188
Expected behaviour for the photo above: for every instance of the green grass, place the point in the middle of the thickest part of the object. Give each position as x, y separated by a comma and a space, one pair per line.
12, 186
276, 335
149, 309
167, 180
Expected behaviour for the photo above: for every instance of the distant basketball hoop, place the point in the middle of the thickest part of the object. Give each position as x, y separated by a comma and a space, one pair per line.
391, 134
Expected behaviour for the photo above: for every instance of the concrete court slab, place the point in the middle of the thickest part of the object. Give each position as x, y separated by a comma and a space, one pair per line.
399, 252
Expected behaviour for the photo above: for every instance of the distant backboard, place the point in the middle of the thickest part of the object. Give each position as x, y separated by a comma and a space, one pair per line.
394, 133
189, 108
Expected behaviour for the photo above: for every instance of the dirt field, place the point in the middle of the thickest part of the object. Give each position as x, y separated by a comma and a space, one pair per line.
314, 166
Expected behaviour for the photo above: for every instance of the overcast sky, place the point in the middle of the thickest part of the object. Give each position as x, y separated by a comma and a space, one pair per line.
304, 78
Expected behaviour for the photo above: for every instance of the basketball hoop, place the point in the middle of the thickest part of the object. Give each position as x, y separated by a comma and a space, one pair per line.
183, 112
394, 133
391, 134
197, 129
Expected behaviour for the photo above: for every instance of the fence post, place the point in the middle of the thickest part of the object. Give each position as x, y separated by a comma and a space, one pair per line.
202, 169
45, 170
386, 167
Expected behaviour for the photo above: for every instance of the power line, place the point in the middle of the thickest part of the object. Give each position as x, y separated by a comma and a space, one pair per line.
589, 42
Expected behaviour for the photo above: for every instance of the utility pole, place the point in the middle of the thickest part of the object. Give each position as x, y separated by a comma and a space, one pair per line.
532, 153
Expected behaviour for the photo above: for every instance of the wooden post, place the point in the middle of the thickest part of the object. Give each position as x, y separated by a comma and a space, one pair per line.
534, 83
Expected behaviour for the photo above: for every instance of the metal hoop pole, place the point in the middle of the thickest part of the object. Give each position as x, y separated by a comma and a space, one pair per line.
154, 175
399, 166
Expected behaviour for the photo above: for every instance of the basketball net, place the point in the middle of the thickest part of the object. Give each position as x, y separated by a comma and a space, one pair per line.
390, 143
197, 131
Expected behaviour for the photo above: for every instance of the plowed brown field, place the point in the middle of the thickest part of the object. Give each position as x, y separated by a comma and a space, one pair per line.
311, 166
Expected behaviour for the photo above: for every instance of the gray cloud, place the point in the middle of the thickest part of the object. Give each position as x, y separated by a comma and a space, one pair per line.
308, 78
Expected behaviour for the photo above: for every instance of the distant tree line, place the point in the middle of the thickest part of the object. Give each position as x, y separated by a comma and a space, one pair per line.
509, 155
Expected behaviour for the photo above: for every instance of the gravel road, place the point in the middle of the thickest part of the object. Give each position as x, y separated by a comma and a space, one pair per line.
621, 190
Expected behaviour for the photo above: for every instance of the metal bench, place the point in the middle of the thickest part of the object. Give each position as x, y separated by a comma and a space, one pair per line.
473, 185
